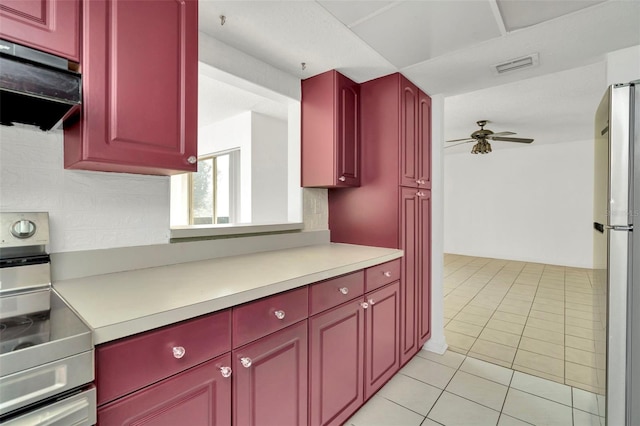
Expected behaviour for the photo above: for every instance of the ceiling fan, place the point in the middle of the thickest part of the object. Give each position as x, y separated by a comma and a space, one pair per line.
483, 136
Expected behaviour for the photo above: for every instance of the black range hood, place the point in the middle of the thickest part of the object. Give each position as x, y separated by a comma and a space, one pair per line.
36, 88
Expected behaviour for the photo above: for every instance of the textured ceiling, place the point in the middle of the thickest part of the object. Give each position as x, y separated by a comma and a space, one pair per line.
447, 47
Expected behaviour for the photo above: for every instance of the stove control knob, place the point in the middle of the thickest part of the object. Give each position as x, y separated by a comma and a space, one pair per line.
23, 229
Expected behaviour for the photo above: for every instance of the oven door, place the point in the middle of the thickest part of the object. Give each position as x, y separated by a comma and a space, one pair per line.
76, 410
44, 382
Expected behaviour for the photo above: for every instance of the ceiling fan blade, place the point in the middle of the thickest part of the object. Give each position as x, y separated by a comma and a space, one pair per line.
501, 138
460, 143
460, 140
503, 134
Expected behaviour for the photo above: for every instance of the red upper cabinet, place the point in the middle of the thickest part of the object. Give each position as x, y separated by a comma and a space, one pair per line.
415, 136
48, 25
424, 140
330, 131
140, 73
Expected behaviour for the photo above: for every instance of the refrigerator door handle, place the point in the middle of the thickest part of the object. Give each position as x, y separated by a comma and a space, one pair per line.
620, 227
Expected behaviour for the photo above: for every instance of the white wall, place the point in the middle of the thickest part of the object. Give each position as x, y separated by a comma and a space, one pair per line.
88, 210
437, 342
232, 133
531, 203
269, 148
263, 144
623, 65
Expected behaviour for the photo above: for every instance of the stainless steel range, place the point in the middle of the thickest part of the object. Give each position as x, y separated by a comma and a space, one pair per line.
46, 351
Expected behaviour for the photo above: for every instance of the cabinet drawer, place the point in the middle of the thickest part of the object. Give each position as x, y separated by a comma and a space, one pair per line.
327, 294
380, 275
257, 319
132, 363
199, 396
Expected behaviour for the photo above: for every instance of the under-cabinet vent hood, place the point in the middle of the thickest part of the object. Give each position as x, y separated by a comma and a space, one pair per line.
36, 88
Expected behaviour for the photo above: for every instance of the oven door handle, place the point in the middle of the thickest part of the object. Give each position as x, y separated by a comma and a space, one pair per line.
77, 410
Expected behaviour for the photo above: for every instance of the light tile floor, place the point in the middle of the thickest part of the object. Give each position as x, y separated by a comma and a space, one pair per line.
544, 320
457, 390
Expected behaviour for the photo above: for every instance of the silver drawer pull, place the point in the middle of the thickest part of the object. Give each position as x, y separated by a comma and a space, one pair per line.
246, 362
344, 290
371, 302
387, 274
225, 371
364, 305
279, 314
178, 352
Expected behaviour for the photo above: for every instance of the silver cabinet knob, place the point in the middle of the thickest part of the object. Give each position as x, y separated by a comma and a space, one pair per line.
192, 159
225, 371
342, 178
279, 314
364, 305
344, 290
371, 302
178, 352
420, 194
387, 274
246, 362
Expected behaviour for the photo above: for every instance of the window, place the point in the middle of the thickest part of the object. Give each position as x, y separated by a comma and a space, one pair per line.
213, 198
263, 185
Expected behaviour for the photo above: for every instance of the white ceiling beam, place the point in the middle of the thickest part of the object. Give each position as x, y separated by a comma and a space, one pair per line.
498, 16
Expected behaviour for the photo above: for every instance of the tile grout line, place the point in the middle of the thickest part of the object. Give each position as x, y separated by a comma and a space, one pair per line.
527, 320
476, 295
496, 308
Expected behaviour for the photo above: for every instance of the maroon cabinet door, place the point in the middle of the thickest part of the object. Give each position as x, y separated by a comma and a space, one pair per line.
382, 337
415, 136
270, 379
198, 396
424, 272
409, 242
336, 354
409, 146
140, 72
424, 140
348, 132
49, 25
330, 131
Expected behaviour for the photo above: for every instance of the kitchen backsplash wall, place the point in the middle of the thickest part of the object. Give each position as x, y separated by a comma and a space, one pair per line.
88, 210
94, 210
315, 209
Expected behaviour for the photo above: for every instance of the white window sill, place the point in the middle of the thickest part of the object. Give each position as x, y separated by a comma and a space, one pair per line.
197, 231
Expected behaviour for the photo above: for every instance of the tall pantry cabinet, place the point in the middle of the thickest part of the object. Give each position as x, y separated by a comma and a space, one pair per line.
392, 207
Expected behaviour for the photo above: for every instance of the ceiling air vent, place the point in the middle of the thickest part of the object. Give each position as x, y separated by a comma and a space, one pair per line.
516, 64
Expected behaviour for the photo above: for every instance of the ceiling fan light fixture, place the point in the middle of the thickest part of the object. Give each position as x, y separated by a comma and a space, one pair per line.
482, 147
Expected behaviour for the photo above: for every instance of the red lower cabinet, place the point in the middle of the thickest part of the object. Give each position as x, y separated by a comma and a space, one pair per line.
382, 337
198, 396
336, 354
266, 362
353, 351
270, 379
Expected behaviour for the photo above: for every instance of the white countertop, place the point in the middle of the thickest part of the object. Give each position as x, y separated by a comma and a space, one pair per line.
124, 303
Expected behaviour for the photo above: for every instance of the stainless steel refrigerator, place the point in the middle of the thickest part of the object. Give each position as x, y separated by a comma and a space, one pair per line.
617, 251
